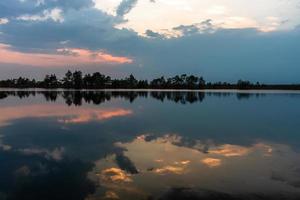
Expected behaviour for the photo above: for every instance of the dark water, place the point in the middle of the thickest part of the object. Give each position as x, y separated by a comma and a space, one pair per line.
149, 145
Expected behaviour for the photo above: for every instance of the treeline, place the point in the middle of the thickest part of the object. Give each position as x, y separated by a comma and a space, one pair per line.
78, 80
97, 80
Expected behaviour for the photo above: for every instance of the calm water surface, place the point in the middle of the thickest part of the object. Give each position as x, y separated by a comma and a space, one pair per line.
130, 145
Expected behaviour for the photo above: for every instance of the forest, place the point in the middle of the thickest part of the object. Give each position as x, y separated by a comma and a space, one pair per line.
78, 80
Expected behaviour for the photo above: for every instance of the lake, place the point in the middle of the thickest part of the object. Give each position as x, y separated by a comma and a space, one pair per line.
149, 145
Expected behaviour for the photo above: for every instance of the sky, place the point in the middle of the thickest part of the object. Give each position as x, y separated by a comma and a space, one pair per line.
221, 40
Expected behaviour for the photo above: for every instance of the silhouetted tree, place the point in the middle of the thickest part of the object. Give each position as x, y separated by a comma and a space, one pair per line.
67, 80
243, 84
50, 81
191, 82
158, 83
77, 80
201, 83
131, 82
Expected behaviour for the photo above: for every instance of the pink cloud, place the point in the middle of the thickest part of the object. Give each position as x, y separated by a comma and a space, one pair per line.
63, 57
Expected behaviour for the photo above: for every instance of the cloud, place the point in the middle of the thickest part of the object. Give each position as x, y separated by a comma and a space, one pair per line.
15, 8
202, 27
62, 57
217, 10
153, 34
54, 14
167, 14
3, 21
88, 28
125, 6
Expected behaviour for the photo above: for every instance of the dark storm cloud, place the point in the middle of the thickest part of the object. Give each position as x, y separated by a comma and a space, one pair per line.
15, 8
87, 28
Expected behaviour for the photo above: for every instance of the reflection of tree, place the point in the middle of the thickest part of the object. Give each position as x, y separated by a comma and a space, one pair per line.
3, 95
178, 97
77, 97
243, 95
50, 96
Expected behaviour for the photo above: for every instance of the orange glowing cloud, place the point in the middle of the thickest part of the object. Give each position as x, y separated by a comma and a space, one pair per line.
62, 57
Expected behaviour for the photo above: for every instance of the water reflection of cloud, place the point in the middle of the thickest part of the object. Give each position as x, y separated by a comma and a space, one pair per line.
211, 162
3, 146
23, 171
230, 150
56, 154
63, 113
34, 177
115, 175
169, 169
111, 195
184, 162
100, 115
167, 162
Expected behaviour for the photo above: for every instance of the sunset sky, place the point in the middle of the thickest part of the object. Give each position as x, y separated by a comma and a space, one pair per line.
222, 40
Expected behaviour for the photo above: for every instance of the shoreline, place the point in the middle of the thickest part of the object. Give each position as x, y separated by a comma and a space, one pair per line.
269, 91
